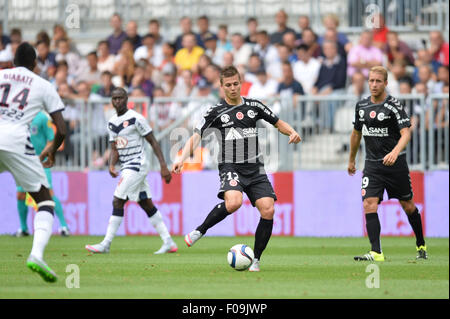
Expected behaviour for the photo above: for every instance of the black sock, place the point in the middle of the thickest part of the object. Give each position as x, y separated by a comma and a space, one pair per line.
373, 230
416, 223
218, 213
262, 236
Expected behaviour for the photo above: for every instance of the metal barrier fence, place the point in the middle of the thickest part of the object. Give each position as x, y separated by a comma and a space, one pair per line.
401, 15
324, 123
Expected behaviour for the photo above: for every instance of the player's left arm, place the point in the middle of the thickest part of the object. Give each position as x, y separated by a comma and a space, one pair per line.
165, 173
47, 156
286, 129
391, 158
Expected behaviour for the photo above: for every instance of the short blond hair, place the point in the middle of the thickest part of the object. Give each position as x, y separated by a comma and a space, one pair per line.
381, 70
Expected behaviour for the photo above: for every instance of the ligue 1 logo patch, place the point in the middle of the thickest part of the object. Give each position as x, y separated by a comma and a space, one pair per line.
372, 114
225, 118
239, 115
251, 114
125, 124
361, 113
380, 116
233, 183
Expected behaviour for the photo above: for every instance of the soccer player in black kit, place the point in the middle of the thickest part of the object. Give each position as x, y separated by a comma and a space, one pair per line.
241, 169
383, 122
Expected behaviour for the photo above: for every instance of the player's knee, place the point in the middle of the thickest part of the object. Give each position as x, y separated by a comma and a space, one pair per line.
408, 206
233, 204
118, 203
267, 212
370, 206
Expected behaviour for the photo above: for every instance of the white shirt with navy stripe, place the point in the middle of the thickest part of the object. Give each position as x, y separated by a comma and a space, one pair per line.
129, 131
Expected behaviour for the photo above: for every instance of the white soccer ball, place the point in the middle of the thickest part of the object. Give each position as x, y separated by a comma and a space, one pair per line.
240, 256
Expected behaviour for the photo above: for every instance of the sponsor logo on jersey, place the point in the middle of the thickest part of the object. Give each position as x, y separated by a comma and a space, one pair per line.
251, 114
121, 142
372, 114
250, 132
233, 134
225, 118
239, 115
375, 131
361, 113
380, 116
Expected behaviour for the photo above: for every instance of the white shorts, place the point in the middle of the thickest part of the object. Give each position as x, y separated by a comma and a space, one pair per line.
133, 186
27, 170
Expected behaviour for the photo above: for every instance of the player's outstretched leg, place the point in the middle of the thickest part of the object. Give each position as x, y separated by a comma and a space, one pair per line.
157, 222
114, 223
415, 221
216, 215
43, 224
263, 232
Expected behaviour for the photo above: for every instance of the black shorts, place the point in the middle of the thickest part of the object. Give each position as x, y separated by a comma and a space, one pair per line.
394, 179
254, 183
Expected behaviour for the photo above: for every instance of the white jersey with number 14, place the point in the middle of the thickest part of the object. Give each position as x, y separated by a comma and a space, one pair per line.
23, 94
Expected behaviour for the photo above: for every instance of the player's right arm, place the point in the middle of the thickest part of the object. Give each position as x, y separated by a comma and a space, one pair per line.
355, 141
188, 150
113, 159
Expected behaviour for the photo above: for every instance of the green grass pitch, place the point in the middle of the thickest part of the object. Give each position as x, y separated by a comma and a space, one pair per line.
291, 268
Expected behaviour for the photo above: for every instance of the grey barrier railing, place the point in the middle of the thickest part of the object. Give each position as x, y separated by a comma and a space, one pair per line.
324, 123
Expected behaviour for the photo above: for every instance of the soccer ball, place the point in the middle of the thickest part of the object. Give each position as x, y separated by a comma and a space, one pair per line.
240, 256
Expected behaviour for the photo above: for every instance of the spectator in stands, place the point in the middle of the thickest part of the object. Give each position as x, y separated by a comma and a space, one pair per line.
364, 56
215, 53
116, 39
252, 30
358, 87
185, 84
439, 49
405, 86
188, 57
203, 29
154, 29
132, 34
222, 38
228, 59
6, 56
140, 82
332, 75
379, 31
60, 33
264, 87
212, 75
397, 49
43, 36
253, 66
289, 88
201, 91
72, 59
149, 51
186, 28
306, 69
424, 57
124, 65
106, 60
200, 67
331, 23
266, 51
61, 75
245, 85
443, 79
90, 73
309, 38
395, 73
303, 23
332, 35
46, 61
168, 54
289, 40
162, 114
4, 39
107, 85
281, 19
241, 50
425, 75
15, 35
169, 80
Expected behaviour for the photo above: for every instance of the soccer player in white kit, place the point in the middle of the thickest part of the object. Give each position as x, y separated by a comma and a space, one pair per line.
129, 133
23, 94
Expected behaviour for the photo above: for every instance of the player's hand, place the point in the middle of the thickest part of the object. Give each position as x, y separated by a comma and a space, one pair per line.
177, 167
165, 174
351, 169
47, 157
294, 138
390, 159
113, 172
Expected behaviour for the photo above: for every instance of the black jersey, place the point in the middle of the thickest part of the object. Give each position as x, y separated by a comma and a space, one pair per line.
235, 130
380, 125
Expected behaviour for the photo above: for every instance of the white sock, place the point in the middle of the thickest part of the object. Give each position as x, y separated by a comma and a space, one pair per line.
43, 226
158, 223
113, 226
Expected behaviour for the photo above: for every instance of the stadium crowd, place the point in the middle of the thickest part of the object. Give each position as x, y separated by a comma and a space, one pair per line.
291, 61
